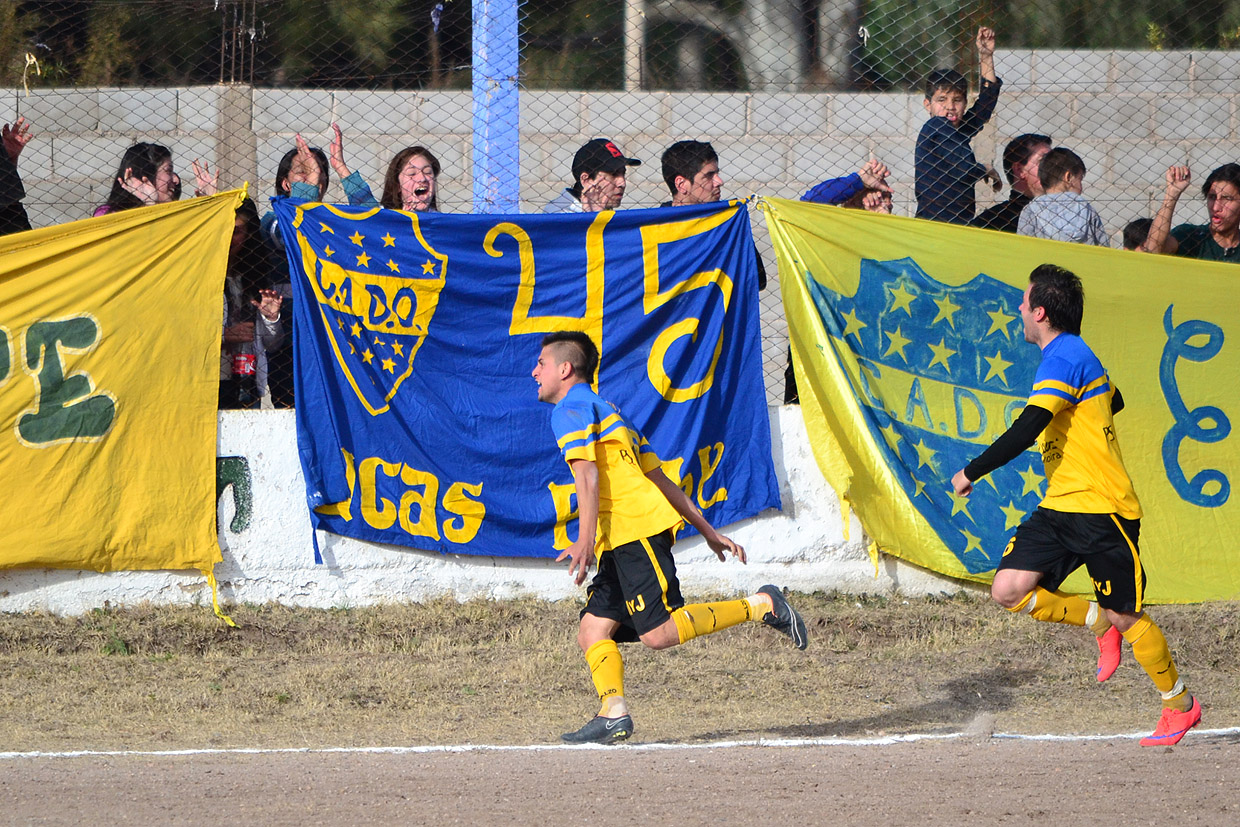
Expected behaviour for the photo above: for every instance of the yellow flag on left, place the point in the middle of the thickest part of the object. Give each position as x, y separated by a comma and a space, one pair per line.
110, 335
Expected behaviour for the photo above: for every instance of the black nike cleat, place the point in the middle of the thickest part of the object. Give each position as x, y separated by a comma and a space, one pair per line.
784, 618
600, 730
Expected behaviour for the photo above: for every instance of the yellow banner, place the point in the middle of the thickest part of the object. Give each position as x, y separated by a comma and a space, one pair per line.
110, 335
910, 359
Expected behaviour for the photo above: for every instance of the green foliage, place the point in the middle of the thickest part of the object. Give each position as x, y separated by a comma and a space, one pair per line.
573, 44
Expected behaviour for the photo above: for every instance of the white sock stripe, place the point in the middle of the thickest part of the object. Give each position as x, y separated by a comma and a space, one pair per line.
1033, 601
1091, 616
1175, 690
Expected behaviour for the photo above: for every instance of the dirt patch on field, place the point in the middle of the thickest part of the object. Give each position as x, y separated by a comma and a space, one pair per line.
510, 673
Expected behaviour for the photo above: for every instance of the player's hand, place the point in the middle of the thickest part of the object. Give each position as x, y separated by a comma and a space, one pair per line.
962, 485
720, 544
1178, 180
985, 42
582, 557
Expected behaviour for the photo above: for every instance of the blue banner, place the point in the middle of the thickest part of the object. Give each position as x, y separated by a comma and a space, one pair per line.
418, 422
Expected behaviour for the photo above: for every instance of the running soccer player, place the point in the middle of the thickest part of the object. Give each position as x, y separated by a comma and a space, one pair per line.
1090, 514
628, 514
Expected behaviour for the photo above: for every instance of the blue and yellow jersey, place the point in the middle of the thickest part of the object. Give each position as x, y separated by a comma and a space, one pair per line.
630, 506
1084, 466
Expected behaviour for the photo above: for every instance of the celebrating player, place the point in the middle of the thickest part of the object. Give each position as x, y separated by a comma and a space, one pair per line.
628, 514
1090, 514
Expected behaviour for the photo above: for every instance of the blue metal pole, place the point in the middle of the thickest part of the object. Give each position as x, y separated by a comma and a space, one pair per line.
496, 161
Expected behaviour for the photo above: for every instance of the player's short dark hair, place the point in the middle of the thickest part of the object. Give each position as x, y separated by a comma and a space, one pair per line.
1228, 173
1057, 163
1136, 232
948, 80
1059, 292
577, 349
1019, 149
686, 159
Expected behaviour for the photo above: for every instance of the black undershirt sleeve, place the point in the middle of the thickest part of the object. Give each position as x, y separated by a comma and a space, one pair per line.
1023, 433
1117, 401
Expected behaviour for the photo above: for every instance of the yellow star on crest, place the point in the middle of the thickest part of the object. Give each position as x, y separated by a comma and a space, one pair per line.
902, 299
388, 241
852, 323
919, 487
393, 266
925, 454
398, 349
947, 309
428, 267
999, 322
941, 354
892, 437
389, 365
379, 342
356, 330
960, 504
340, 324
898, 343
971, 542
1033, 481
323, 228
352, 349
1012, 515
367, 356
328, 251
357, 238
998, 367
363, 260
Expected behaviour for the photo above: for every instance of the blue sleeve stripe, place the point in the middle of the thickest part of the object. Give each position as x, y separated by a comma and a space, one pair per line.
1049, 389
591, 433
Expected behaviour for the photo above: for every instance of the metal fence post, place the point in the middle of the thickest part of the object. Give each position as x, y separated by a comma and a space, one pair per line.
496, 127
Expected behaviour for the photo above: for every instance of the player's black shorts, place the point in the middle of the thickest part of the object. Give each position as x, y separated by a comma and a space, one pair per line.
1057, 543
636, 585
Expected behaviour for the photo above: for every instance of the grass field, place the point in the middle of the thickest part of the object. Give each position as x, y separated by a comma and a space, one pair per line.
510, 673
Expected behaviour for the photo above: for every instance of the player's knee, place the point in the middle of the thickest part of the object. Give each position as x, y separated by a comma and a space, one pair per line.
1007, 596
664, 637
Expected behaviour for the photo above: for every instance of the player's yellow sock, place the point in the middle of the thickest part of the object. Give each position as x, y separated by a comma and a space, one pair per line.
607, 672
1056, 607
699, 619
1150, 649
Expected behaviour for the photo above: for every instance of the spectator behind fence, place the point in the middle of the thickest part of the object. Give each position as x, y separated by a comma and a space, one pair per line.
868, 182
1062, 213
1021, 158
945, 168
599, 170
1218, 240
252, 323
13, 218
691, 171
871, 176
1149, 235
870, 199
145, 176
411, 182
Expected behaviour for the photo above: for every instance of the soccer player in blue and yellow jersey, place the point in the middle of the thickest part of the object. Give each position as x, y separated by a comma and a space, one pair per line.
628, 514
1090, 515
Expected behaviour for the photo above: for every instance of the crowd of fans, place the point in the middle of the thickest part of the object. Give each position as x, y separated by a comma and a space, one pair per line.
1046, 200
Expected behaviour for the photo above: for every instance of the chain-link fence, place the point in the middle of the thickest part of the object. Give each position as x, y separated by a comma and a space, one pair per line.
788, 92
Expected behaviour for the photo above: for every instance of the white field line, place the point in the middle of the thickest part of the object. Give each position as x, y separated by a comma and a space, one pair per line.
760, 742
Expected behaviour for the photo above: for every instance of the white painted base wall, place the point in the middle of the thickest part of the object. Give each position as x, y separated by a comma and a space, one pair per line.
272, 560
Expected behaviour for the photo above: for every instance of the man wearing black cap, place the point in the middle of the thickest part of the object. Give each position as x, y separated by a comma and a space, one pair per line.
598, 174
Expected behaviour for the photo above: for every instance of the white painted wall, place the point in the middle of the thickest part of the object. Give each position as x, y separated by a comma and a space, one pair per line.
803, 548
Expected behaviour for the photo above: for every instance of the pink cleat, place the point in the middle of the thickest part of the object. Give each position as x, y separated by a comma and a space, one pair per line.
1172, 726
1108, 653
